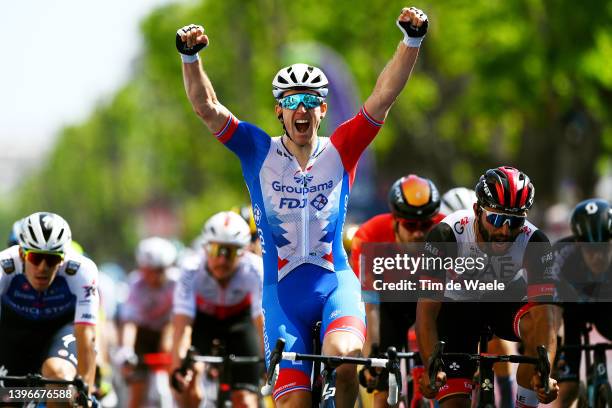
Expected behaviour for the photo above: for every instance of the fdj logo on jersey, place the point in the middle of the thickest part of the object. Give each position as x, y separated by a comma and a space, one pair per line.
293, 202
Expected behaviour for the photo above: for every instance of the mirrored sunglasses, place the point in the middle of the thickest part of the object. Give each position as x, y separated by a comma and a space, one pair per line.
498, 220
35, 258
293, 101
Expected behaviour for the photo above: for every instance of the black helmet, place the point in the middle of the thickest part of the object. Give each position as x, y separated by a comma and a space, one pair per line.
414, 197
592, 221
505, 188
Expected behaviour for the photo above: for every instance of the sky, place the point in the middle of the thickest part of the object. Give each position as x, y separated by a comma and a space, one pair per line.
59, 57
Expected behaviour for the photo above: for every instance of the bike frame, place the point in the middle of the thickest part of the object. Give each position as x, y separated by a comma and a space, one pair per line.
485, 363
596, 364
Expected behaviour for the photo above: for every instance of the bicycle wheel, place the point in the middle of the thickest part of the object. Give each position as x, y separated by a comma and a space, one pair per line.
604, 396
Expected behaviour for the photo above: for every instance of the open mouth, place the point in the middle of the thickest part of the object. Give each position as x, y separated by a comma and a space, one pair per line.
302, 125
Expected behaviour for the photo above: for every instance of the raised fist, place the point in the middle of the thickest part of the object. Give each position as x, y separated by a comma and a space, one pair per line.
191, 39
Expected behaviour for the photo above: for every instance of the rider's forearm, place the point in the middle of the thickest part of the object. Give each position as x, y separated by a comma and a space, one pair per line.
391, 81
128, 335
426, 329
181, 333
202, 96
86, 355
546, 321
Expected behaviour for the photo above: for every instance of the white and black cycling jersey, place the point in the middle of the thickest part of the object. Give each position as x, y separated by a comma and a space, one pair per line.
71, 297
197, 291
527, 262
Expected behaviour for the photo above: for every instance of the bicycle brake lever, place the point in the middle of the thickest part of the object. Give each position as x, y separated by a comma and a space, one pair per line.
435, 363
272, 374
544, 367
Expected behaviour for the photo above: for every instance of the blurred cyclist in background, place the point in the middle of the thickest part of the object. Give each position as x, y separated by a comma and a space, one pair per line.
583, 263
146, 314
455, 199
218, 301
414, 203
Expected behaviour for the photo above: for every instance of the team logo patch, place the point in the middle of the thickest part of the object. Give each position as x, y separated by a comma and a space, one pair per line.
90, 291
319, 202
8, 265
257, 214
72, 267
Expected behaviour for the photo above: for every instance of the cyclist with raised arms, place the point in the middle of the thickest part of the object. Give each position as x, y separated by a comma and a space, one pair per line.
415, 208
49, 303
583, 262
516, 253
299, 185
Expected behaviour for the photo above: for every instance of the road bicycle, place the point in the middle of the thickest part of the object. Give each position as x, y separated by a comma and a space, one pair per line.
486, 382
596, 393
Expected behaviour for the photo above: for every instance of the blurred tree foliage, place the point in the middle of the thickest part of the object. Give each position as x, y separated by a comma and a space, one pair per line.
526, 83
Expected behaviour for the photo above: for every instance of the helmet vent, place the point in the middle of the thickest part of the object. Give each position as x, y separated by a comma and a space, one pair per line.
305, 77
289, 70
60, 235
281, 80
317, 79
293, 78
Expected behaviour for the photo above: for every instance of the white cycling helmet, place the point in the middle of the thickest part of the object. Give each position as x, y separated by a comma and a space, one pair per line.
299, 76
455, 199
155, 252
45, 231
227, 227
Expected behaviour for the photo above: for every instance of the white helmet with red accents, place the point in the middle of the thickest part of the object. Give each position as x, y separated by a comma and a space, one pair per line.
227, 227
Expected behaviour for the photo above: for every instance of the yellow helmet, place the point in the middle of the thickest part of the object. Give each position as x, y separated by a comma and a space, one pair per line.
246, 212
348, 233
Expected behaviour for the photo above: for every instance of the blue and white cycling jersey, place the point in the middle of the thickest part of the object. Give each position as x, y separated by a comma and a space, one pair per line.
299, 213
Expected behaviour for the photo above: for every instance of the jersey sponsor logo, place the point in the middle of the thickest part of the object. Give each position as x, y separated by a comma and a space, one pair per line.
302, 179
257, 214
87, 316
90, 291
21, 295
292, 203
281, 188
8, 265
526, 230
72, 267
459, 226
319, 202
282, 154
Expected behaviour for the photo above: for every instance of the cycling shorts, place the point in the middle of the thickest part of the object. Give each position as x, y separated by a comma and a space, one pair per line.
293, 306
235, 335
22, 354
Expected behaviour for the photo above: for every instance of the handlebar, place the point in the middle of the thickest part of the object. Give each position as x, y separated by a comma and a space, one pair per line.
391, 363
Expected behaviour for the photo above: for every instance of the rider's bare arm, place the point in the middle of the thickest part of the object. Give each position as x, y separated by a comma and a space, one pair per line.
426, 330
394, 76
181, 338
85, 335
199, 89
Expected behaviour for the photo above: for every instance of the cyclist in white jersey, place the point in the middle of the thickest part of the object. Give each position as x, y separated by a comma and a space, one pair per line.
218, 299
299, 185
511, 251
145, 316
48, 303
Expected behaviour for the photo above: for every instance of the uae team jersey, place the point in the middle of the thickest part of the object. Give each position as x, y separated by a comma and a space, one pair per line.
300, 213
